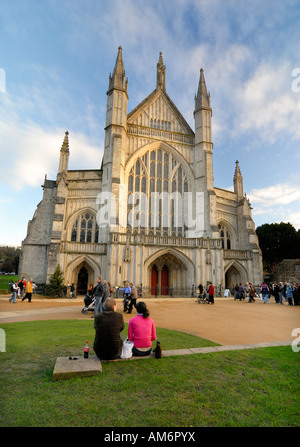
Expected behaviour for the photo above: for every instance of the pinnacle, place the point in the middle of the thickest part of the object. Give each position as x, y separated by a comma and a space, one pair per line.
65, 145
161, 73
202, 98
118, 79
237, 169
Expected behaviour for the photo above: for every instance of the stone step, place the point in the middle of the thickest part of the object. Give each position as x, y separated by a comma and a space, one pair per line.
66, 367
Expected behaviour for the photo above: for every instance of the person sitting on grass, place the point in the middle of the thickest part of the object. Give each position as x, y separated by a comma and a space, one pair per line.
141, 330
108, 338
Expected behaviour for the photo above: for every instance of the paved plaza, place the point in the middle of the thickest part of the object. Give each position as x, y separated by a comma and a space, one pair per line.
227, 322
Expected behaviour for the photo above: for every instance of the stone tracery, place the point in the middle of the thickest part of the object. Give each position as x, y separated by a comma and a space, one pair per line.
159, 176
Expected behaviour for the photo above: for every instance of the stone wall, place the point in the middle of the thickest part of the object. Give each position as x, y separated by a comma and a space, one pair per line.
288, 270
35, 247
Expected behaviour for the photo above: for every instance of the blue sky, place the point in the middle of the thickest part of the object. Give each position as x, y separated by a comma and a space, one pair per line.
55, 60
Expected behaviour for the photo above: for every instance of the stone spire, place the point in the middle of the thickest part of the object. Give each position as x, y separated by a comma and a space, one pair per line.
118, 79
238, 180
202, 99
237, 173
161, 74
65, 145
64, 154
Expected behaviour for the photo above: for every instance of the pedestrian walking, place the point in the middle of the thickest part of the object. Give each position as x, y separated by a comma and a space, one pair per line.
127, 296
211, 293
28, 291
236, 292
251, 293
264, 289
21, 286
98, 294
72, 291
14, 290
241, 292
133, 297
289, 293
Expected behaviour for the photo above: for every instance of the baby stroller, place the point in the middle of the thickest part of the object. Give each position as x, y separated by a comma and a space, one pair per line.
202, 298
89, 304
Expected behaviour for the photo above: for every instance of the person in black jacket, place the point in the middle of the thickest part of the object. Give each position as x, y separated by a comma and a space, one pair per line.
108, 325
98, 294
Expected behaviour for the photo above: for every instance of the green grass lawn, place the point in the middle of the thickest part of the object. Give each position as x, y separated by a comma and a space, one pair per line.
5, 280
236, 388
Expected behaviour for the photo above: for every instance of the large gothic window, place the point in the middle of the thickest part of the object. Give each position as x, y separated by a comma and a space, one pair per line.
85, 229
156, 186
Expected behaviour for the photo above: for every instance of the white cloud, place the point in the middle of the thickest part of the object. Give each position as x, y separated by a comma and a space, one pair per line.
31, 136
267, 103
281, 194
294, 219
277, 203
34, 152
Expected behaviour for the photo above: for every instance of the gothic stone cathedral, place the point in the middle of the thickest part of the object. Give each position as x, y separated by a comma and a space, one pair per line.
151, 213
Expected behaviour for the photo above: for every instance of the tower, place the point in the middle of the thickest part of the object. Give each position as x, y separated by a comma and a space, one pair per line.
203, 162
115, 144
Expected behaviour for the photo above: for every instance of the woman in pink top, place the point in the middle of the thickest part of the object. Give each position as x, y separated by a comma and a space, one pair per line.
141, 330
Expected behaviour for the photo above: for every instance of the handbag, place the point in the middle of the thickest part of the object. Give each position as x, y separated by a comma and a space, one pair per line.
126, 349
157, 351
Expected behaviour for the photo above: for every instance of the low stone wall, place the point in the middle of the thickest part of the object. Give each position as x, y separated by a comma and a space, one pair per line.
288, 271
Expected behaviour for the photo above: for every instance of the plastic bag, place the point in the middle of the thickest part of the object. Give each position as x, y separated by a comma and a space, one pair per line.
126, 349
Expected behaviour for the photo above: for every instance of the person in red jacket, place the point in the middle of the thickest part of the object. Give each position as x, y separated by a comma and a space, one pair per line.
211, 293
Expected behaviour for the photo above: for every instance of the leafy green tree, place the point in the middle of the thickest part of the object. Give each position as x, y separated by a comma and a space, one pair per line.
9, 258
56, 283
278, 242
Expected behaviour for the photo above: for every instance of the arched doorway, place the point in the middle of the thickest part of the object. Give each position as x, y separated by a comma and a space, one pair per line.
235, 274
82, 283
168, 275
82, 271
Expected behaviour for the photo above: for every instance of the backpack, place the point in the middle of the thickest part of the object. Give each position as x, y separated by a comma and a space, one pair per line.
264, 289
12, 288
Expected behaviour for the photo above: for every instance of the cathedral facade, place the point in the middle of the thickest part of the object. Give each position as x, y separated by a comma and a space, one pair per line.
151, 213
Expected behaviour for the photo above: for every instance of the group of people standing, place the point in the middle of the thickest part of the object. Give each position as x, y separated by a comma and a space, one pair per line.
288, 291
104, 290
242, 292
282, 291
22, 289
208, 292
109, 324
